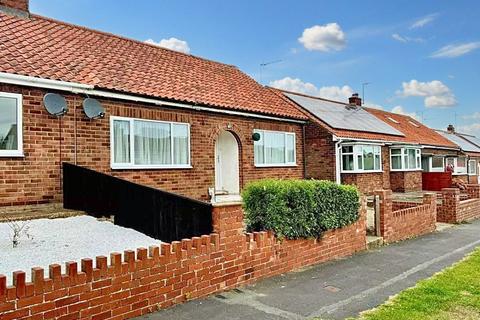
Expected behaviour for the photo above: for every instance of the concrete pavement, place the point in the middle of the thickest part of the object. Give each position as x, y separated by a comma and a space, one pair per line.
337, 289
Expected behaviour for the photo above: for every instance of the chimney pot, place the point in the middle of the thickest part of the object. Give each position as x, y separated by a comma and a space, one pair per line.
355, 100
451, 128
15, 7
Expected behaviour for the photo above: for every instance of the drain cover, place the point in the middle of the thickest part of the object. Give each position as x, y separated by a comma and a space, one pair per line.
332, 289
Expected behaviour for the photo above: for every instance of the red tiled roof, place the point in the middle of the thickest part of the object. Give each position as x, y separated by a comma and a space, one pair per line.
413, 130
49, 49
419, 134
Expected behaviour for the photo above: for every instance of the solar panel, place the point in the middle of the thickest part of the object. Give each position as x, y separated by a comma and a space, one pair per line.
459, 141
472, 139
338, 116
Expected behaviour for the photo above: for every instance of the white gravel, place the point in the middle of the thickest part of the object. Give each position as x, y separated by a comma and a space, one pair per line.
66, 239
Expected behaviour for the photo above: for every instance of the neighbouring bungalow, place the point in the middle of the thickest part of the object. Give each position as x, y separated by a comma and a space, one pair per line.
171, 120
370, 148
466, 166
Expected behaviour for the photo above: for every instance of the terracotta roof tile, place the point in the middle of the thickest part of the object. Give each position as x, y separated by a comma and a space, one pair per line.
413, 130
49, 49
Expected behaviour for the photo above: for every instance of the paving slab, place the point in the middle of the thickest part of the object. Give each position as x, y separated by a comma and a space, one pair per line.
336, 289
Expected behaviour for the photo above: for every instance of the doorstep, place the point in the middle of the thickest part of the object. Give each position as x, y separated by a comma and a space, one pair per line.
374, 242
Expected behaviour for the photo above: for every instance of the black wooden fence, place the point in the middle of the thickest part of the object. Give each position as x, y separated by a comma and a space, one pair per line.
162, 215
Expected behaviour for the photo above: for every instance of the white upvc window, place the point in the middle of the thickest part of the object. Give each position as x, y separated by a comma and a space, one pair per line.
11, 139
149, 144
472, 167
405, 159
361, 158
275, 149
458, 165
437, 164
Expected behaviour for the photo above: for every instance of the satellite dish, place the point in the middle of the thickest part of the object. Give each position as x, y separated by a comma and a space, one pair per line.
93, 109
55, 104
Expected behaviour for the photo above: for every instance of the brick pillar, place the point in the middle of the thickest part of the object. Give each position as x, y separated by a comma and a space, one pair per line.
473, 191
228, 222
451, 201
385, 212
431, 199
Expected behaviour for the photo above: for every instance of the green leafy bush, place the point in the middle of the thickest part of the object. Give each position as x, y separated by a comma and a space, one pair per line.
299, 208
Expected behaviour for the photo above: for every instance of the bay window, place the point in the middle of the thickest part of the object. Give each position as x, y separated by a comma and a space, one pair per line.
457, 165
405, 159
11, 141
274, 148
361, 158
437, 164
148, 144
472, 167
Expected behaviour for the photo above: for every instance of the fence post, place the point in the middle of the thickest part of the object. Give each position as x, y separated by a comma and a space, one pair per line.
473, 191
451, 201
385, 211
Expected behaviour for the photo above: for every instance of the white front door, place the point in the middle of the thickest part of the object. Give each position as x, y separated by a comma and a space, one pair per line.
227, 177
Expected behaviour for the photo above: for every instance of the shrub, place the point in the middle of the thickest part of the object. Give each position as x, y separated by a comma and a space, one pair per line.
299, 208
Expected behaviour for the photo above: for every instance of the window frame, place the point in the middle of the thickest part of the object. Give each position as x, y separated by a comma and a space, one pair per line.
19, 151
474, 166
437, 169
131, 164
402, 155
457, 172
285, 164
355, 153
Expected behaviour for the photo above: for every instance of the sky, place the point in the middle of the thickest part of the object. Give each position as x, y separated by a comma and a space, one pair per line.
420, 58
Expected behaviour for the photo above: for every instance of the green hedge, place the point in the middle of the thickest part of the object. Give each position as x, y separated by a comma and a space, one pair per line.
299, 208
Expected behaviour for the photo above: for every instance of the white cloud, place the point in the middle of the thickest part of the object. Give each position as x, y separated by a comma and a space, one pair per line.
406, 39
435, 92
400, 110
372, 105
172, 43
329, 37
423, 21
456, 50
473, 129
296, 85
473, 116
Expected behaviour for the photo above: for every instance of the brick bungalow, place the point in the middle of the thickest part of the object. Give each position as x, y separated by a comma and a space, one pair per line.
466, 165
172, 120
370, 148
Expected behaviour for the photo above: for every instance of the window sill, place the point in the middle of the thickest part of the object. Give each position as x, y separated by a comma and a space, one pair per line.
275, 165
12, 155
460, 174
362, 171
140, 167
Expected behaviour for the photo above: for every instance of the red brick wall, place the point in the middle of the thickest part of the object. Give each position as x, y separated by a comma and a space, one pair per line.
35, 178
396, 225
136, 284
452, 210
406, 181
319, 153
15, 4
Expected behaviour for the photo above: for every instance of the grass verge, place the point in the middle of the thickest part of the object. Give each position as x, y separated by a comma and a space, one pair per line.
451, 294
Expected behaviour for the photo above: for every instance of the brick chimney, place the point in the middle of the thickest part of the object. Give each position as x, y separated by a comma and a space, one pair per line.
451, 128
15, 7
355, 100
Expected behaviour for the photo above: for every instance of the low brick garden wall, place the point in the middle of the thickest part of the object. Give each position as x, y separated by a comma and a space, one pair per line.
147, 280
454, 210
403, 220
